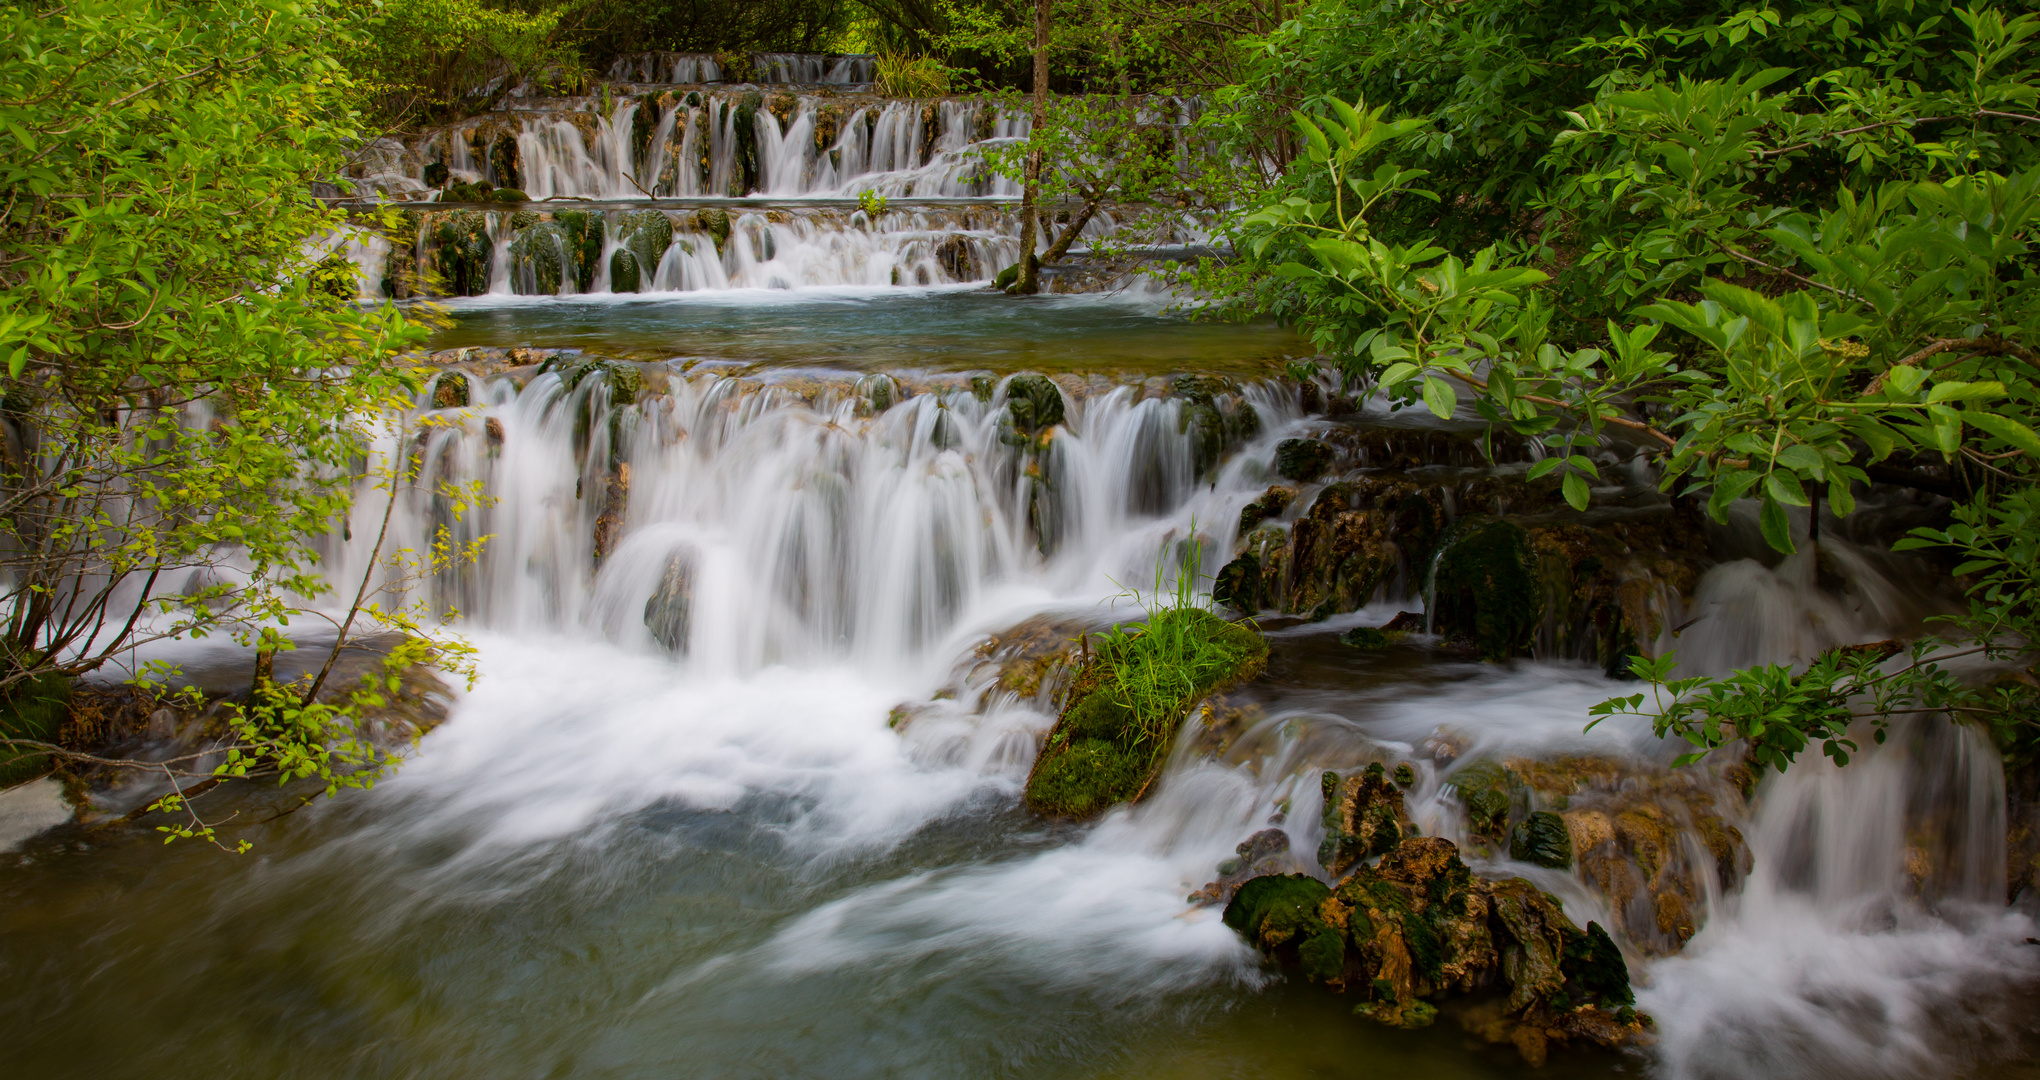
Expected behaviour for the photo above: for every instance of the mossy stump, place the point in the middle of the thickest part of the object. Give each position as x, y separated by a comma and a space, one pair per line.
1126, 703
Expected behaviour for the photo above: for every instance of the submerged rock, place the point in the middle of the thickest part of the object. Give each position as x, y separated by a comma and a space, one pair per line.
1368, 637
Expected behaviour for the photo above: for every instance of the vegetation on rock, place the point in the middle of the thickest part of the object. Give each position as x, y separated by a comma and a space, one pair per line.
1127, 701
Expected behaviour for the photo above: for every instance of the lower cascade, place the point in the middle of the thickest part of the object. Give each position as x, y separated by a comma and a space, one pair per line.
814, 636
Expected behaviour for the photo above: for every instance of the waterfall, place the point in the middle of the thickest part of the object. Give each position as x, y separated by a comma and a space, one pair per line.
750, 531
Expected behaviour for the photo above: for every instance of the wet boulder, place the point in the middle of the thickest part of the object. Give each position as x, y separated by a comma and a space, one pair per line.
1419, 927
669, 610
1033, 404
1264, 854
1271, 504
1542, 838
461, 251
1302, 460
1485, 588
642, 239
1364, 817
1485, 789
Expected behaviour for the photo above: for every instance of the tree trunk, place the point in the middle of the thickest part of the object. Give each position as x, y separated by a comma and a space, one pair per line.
1070, 231
1029, 281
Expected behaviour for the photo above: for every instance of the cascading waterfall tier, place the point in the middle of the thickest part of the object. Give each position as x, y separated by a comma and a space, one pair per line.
809, 154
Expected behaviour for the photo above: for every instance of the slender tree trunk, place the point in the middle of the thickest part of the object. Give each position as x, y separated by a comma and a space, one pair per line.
1030, 213
1070, 231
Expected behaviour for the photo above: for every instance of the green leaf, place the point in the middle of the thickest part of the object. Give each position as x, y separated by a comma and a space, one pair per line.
1784, 487
1776, 528
1576, 493
1965, 391
2003, 427
1439, 398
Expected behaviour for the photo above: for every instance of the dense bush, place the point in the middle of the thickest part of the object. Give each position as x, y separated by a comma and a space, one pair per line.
1768, 279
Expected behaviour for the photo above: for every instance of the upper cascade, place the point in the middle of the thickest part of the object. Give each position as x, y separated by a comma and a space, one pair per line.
695, 143
800, 69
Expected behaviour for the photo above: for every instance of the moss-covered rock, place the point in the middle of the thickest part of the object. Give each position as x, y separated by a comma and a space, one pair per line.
1128, 701
1238, 585
503, 161
1364, 817
1420, 926
642, 239
1542, 838
461, 251
1485, 790
1368, 637
1271, 504
508, 195
716, 224
1484, 587
1302, 459
1033, 404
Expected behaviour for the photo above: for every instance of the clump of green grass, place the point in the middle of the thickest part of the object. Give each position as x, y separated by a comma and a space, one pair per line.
903, 75
1130, 697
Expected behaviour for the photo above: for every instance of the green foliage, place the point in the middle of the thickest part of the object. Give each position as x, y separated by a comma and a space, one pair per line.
430, 60
186, 398
33, 711
1774, 246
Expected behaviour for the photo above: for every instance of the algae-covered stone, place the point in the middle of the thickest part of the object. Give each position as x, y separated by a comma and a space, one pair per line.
642, 238
1364, 817
461, 251
1238, 584
1420, 925
1485, 589
1033, 404
1367, 637
1483, 788
509, 195
1302, 459
1542, 838
1271, 504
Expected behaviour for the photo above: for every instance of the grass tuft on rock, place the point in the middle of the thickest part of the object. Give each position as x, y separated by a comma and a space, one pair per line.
1129, 699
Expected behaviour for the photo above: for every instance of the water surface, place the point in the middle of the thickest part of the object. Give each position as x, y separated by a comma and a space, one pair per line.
943, 329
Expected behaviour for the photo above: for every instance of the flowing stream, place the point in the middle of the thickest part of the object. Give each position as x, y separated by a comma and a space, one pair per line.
736, 795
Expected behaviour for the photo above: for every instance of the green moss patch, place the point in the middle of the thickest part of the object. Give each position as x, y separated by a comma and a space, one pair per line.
35, 709
1485, 589
1127, 702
